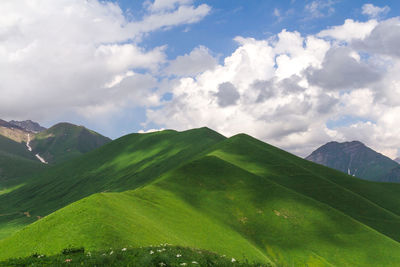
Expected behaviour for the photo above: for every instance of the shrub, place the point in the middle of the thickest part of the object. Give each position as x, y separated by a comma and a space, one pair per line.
71, 250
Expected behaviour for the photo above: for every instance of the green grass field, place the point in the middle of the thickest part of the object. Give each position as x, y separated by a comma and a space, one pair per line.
237, 197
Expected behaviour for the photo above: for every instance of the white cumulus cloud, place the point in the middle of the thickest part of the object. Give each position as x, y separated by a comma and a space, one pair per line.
288, 89
73, 56
197, 61
374, 11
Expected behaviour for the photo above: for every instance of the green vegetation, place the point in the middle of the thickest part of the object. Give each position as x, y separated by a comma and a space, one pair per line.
16, 164
126, 163
238, 196
162, 255
64, 141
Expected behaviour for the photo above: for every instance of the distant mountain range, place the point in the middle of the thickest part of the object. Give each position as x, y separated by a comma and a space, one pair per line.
356, 159
59, 143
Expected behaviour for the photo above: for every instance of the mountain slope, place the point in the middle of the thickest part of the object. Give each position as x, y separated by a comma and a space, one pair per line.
356, 159
211, 204
126, 163
17, 166
65, 141
13, 132
315, 181
238, 196
16, 162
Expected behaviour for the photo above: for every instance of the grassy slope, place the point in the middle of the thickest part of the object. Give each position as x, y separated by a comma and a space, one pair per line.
126, 163
16, 162
18, 149
17, 165
213, 205
65, 141
232, 209
359, 199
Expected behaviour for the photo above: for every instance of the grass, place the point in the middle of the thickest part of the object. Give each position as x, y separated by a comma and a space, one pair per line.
161, 255
126, 163
66, 141
372, 204
238, 196
17, 165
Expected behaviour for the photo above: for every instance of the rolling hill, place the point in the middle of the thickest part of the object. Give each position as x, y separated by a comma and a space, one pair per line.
236, 196
65, 141
126, 163
16, 163
17, 166
356, 159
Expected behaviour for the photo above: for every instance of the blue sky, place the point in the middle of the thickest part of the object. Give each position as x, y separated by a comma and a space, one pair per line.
295, 74
252, 18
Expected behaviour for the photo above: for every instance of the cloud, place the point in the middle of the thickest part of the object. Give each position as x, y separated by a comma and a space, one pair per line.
197, 61
285, 90
227, 94
342, 69
81, 57
350, 30
384, 39
87, 59
165, 5
164, 20
374, 11
150, 130
320, 8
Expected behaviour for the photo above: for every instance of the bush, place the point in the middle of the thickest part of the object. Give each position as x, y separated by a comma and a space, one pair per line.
69, 251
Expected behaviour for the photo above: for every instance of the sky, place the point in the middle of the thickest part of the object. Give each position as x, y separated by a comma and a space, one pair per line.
295, 74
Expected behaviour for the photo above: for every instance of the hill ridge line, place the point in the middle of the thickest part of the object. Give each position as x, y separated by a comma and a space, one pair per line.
330, 181
312, 199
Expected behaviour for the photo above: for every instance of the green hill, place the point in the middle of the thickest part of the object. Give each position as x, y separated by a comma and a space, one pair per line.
237, 196
17, 166
65, 141
16, 162
126, 163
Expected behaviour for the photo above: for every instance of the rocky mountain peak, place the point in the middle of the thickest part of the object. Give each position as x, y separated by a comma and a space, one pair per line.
356, 159
28, 125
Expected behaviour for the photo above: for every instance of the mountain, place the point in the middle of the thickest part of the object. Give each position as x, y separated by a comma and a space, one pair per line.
356, 159
65, 141
59, 143
236, 196
13, 132
28, 125
397, 160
